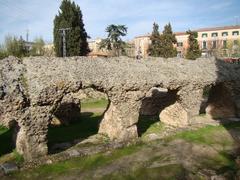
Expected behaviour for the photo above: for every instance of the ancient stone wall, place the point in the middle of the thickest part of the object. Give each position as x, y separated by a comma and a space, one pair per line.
32, 90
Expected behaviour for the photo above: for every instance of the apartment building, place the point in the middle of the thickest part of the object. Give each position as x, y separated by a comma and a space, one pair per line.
211, 41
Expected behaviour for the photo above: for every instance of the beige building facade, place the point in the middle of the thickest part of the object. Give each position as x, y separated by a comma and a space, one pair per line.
212, 41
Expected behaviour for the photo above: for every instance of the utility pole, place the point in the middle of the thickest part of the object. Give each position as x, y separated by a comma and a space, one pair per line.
63, 34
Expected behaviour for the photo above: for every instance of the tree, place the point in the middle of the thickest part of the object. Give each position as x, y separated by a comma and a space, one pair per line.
233, 47
168, 39
193, 51
113, 42
163, 45
70, 16
3, 52
15, 47
38, 47
154, 49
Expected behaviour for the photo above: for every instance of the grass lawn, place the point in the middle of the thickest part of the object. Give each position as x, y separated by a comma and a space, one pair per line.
79, 164
206, 134
86, 126
94, 103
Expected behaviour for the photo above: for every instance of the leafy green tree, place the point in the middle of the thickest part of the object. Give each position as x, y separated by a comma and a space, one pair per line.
163, 45
154, 49
70, 16
233, 47
15, 47
113, 42
38, 47
193, 51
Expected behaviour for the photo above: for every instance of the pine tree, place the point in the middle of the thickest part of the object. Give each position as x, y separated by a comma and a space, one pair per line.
193, 51
114, 42
70, 16
155, 42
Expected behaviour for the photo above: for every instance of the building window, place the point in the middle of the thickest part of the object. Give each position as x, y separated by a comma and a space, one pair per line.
204, 35
224, 34
204, 45
180, 44
225, 44
214, 34
235, 33
214, 44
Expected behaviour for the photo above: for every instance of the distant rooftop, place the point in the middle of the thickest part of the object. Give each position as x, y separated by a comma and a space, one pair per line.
199, 30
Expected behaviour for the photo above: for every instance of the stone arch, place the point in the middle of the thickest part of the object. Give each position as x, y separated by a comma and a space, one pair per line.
156, 101
219, 103
71, 114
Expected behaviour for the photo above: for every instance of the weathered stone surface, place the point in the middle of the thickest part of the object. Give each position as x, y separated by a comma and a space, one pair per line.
90, 93
175, 115
8, 167
68, 111
221, 103
31, 91
156, 100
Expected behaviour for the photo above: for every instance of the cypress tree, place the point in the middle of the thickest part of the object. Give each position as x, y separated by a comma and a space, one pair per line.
155, 42
70, 16
162, 45
168, 40
193, 51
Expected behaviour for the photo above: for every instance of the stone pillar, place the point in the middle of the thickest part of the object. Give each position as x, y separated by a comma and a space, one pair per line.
184, 109
119, 122
31, 140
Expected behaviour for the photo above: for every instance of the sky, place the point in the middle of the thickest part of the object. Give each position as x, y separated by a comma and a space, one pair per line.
16, 16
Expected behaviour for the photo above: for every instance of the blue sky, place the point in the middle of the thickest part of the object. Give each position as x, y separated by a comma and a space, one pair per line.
16, 16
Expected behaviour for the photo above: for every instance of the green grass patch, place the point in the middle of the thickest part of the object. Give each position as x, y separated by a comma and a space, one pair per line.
148, 124
94, 103
86, 126
79, 164
221, 163
174, 171
209, 135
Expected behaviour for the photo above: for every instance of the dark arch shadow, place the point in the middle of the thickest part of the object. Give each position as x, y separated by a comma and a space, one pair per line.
153, 105
8, 138
73, 124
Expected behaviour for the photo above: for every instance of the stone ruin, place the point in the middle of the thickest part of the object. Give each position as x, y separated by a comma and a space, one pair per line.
32, 90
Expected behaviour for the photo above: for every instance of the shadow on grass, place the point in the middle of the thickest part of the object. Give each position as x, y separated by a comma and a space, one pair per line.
6, 140
145, 122
75, 132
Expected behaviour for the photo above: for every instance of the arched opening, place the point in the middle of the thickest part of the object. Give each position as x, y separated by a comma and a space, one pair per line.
218, 102
156, 100
8, 137
76, 119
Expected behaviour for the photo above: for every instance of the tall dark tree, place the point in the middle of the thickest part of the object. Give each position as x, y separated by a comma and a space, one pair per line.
70, 16
113, 42
168, 40
163, 45
154, 49
193, 51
